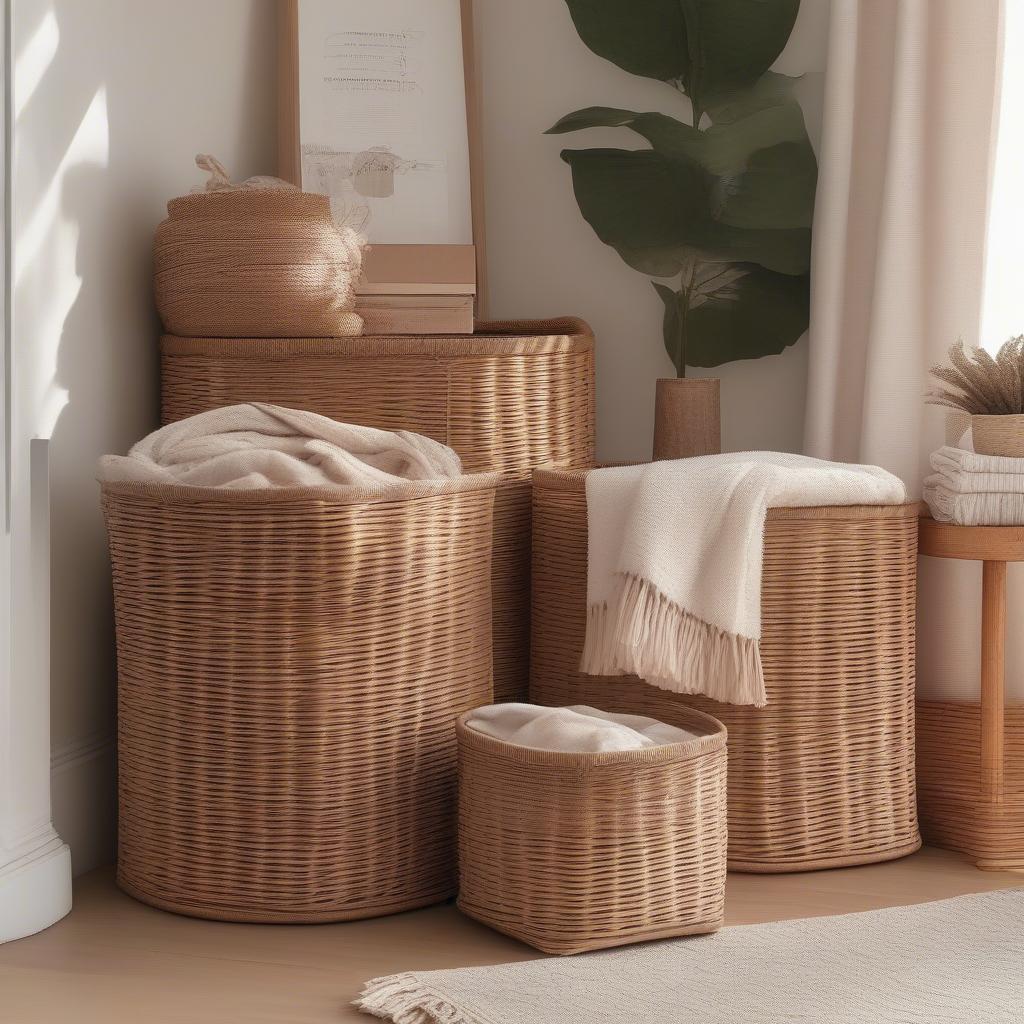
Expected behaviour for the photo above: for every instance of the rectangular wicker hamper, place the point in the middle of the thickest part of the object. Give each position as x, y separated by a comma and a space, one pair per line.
576, 851
516, 395
824, 775
290, 666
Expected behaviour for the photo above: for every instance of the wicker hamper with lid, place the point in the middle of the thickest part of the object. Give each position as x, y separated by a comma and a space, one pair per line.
516, 395
290, 666
576, 851
824, 775
255, 262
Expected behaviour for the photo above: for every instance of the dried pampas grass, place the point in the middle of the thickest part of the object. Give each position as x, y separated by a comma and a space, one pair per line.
980, 384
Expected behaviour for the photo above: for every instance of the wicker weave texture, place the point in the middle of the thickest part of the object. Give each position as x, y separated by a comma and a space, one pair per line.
955, 811
999, 435
570, 852
516, 395
824, 775
254, 263
290, 665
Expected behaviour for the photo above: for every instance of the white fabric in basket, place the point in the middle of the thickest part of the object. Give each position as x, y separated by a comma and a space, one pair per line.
578, 729
259, 446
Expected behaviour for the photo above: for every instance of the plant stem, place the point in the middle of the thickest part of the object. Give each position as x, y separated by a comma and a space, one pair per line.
685, 291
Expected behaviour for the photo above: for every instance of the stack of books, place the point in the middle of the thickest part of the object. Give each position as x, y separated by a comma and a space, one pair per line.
418, 289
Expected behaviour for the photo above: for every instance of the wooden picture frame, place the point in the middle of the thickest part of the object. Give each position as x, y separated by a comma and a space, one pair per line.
288, 143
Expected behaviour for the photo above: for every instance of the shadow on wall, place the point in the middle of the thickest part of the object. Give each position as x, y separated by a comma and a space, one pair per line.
113, 100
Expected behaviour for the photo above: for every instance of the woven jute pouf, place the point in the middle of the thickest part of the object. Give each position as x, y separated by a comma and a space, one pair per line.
516, 395
290, 667
255, 262
824, 775
576, 851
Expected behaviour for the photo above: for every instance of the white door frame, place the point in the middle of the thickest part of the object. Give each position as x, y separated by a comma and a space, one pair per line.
35, 865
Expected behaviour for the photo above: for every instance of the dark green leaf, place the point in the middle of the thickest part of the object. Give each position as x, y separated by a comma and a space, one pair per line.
658, 262
644, 37
770, 90
637, 199
760, 314
775, 189
762, 160
759, 150
733, 42
641, 200
665, 134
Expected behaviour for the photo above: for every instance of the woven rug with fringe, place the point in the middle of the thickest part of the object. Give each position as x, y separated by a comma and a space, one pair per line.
956, 961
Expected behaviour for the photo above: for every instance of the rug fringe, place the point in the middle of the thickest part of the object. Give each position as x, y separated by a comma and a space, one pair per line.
404, 999
645, 634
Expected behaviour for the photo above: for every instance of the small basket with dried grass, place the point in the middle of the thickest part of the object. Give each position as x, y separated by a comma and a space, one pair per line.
991, 390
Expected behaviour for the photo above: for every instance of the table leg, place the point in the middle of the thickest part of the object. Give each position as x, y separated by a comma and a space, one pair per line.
993, 643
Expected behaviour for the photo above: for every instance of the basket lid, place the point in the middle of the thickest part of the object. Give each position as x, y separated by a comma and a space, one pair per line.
249, 204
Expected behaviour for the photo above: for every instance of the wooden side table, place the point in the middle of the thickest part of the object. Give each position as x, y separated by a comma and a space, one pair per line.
970, 761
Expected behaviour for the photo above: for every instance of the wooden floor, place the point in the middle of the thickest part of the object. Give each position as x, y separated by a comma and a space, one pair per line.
115, 961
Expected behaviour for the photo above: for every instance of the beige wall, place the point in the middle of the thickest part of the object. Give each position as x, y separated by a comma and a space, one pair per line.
115, 99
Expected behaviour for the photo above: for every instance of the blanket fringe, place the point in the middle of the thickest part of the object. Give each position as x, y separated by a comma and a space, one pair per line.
404, 999
645, 634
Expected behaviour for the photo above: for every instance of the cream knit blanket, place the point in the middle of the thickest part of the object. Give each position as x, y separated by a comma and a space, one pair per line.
259, 446
674, 563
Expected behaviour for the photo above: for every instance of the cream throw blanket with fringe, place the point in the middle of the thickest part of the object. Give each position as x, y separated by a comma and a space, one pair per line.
674, 563
259, 446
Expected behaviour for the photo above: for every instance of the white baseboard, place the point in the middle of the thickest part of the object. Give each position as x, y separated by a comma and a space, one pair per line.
35, 891
83, 798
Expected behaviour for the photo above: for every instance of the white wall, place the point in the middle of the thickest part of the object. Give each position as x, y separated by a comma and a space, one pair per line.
35, 865
545, 260
114, 99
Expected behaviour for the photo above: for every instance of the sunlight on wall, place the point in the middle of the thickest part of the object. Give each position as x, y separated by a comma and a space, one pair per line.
47, 246
32, 62
1003, 304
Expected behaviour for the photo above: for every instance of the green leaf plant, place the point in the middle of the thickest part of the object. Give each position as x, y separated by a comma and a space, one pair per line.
723, 205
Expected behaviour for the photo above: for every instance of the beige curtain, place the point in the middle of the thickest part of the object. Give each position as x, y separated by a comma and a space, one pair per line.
911, 96
908, 136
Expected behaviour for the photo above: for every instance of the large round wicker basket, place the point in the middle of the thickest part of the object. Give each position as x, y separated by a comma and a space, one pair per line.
824, 775
577, 851
516, 395
290, 667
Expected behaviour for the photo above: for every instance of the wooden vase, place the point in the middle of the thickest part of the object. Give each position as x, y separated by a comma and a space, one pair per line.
687, 418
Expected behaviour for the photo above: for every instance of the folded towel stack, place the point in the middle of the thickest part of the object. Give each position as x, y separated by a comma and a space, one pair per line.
975, 490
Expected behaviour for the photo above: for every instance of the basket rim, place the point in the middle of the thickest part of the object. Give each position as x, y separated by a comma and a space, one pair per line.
1011, 419
667, 753
491, 339
202, 205
408, 490
559, 478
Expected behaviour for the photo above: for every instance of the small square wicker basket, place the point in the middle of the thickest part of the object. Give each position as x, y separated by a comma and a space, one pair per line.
570, 852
